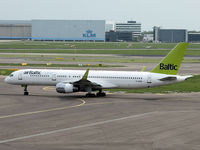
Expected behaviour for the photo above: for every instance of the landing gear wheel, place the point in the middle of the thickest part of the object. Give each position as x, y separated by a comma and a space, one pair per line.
101, 94
26, 93
90, 95
25, 90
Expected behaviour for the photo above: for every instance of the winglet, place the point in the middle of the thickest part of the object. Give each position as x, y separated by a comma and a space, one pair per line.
85, 75
171, 63
144, 69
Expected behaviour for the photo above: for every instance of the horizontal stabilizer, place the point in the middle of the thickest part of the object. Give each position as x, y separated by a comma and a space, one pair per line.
168, 79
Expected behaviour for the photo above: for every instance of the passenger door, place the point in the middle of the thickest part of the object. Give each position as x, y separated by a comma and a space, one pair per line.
149, 80
54, 77
20, 76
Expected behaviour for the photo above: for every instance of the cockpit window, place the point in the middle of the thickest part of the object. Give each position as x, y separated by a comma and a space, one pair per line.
11, 75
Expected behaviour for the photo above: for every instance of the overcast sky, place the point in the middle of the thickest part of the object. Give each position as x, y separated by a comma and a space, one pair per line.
184, 14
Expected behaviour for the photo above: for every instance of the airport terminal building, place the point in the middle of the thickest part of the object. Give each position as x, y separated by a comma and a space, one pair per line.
194, 37
169, 35
53, 30
128, 32
130, 26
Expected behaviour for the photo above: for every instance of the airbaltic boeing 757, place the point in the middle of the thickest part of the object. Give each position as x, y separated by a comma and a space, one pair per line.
69, 81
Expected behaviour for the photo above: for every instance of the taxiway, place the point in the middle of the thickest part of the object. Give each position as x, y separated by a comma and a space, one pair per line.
51, 121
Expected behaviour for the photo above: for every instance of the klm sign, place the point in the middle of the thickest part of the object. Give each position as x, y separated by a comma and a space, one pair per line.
89, 34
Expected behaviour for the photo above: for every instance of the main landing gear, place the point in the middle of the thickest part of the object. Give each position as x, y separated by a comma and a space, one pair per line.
25, 90
99, 94
90, 95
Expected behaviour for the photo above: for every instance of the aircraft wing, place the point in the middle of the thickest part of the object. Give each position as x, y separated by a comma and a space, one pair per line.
84, 82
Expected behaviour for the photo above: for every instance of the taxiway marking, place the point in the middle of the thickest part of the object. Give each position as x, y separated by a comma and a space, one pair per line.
43, 111
91, 124
61, 108
49, 88
77, 127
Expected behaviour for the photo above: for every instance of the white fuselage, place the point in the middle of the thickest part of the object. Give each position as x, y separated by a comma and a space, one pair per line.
107, 79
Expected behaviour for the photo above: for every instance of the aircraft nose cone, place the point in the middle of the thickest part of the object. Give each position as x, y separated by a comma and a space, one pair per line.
6, 80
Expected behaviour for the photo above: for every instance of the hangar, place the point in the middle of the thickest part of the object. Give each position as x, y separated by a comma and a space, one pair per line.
15, 29
54, 30
69, 30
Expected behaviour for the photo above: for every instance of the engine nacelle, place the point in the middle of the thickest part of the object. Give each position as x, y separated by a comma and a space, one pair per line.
66, 88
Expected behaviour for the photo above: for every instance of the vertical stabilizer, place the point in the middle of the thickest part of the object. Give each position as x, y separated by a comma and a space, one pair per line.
171, 63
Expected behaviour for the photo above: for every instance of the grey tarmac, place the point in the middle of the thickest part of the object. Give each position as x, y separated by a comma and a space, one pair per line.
46, 120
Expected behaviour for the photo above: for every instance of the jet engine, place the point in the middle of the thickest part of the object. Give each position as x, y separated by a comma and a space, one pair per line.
66, 88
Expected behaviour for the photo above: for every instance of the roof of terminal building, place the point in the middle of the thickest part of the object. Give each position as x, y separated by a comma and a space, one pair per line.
15, 21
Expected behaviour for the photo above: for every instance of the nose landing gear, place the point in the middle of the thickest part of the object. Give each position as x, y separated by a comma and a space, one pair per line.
25, 90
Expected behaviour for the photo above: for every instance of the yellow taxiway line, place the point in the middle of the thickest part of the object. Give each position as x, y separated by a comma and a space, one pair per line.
43, 111
61, 108
49, 88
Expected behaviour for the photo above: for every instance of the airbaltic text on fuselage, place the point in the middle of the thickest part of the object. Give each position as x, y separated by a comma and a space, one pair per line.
32, 72
168, 66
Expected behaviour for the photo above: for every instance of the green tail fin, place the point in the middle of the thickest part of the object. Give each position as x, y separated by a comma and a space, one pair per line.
171, 63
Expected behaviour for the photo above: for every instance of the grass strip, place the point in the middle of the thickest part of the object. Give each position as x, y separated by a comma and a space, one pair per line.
119, 52
6, 72
86, 45
107, 60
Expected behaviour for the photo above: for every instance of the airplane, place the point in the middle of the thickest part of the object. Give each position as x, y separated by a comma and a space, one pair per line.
69, 81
